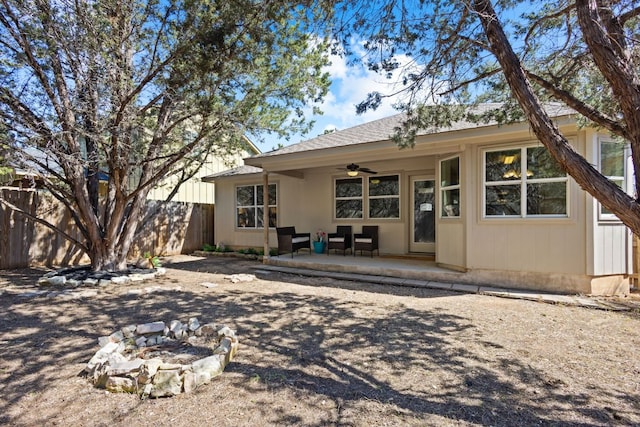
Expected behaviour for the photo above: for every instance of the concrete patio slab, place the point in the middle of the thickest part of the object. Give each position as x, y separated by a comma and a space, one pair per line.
411, 273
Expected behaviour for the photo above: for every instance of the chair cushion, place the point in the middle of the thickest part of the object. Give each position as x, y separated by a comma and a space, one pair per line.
300, 239
336, 239
364, 240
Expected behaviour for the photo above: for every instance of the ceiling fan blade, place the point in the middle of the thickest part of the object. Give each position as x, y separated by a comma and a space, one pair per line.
367, 170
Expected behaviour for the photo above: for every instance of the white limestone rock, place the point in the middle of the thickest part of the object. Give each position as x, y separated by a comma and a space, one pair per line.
150, 328
117, 336
126, 367
175, 326
102, 341
211, 365
226, 331
116, 384
166, 383
189, 382
193, 323
57, 280
209, 285
236, 278
128, 331
73, 283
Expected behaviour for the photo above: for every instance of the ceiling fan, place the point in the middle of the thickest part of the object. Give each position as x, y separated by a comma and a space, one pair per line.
353, 170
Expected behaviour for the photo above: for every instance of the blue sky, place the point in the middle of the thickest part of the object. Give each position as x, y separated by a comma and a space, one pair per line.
350, 85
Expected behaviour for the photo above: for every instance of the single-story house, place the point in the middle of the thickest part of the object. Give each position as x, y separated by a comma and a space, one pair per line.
482, 198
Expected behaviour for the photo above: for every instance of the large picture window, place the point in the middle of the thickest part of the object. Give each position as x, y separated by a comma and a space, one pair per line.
450, 187
250, 206
524, 182
612, 165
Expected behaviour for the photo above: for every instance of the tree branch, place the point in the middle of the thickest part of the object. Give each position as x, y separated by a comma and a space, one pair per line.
586, 110
45, 223
602, 189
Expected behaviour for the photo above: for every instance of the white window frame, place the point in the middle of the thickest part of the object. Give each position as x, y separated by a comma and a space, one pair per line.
255, 204
610, 216
523, 181
444, 189
365, 198
336, 198
386, 196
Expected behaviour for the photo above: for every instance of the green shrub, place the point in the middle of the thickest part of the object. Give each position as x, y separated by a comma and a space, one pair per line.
153, 260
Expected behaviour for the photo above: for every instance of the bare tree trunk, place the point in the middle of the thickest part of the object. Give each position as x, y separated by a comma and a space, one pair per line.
589, 179
607, 45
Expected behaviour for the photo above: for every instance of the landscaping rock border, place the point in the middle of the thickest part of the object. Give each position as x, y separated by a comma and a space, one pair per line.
83, 276
118, 367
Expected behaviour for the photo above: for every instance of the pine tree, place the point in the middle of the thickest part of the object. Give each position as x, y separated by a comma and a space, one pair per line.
135, 90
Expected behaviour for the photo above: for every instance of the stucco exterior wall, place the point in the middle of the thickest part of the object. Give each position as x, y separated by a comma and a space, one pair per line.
551, 245
577, 250
308, 204
225, 224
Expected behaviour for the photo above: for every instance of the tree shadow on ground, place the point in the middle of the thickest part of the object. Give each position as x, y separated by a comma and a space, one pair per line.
345, 351
22, 277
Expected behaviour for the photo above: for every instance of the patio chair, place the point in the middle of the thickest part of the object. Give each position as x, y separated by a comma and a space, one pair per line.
367, 240
340, 240
290, 241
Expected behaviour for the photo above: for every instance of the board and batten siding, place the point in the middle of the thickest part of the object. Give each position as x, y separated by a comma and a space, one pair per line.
612, 247
195, 190
610, 242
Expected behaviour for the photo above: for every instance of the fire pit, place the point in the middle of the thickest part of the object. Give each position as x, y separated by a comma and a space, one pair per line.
159, 360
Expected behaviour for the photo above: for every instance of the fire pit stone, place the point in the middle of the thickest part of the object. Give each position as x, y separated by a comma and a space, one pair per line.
156, 360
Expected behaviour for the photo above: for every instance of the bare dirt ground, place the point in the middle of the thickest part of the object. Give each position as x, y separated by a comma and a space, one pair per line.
321, 352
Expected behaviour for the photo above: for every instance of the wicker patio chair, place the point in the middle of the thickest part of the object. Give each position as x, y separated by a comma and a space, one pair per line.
367, 240
290, 241
340, 240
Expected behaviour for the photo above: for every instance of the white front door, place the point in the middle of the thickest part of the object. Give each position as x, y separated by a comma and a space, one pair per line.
423, 215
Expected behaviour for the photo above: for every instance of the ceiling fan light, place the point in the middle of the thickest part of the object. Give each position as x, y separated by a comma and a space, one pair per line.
352, 173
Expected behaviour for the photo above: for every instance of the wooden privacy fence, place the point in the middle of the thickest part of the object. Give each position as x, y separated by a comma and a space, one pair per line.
176, 228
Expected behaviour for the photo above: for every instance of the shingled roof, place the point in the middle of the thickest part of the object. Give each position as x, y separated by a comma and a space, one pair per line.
383, 129
240, 170
377, 130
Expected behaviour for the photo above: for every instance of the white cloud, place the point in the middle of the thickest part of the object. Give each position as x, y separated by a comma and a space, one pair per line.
350, 85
